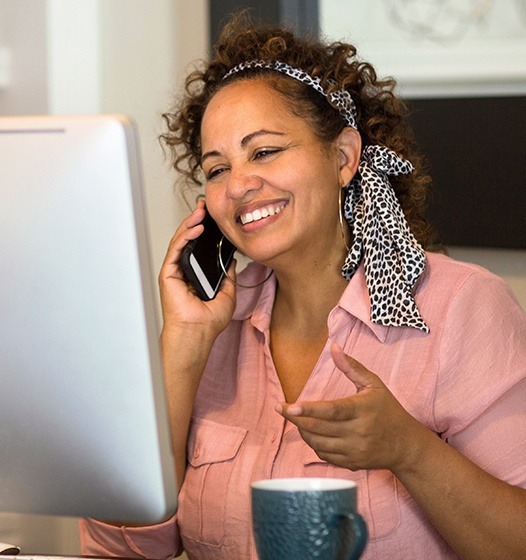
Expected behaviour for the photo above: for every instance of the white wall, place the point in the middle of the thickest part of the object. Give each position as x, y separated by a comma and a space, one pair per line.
90, 56
23, 32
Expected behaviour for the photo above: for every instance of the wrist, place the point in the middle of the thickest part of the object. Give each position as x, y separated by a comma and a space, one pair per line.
185, 347
186, 332
418, 447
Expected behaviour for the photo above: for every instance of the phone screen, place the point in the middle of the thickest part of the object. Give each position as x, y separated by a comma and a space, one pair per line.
200, 259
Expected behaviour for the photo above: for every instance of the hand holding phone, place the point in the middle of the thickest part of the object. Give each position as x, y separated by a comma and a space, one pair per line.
200, 259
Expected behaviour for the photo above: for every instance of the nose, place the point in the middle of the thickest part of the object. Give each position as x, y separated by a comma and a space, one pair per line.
241, 181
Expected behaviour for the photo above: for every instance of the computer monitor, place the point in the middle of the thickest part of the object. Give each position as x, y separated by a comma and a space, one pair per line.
84, 426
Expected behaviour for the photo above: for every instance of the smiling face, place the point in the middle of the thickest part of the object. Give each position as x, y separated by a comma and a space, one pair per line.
272, 186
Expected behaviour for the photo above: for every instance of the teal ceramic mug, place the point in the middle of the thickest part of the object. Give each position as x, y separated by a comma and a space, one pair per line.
307, 518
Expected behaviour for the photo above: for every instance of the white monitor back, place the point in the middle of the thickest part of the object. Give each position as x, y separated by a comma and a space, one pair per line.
83, 420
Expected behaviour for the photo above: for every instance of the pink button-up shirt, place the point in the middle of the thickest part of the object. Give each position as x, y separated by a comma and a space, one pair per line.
466, 381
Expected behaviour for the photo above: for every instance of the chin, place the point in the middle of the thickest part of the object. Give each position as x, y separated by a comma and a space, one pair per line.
266, 252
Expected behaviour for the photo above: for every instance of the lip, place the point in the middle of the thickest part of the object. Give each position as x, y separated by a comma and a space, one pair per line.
250, 215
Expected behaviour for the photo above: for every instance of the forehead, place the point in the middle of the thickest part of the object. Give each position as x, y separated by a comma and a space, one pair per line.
244, 100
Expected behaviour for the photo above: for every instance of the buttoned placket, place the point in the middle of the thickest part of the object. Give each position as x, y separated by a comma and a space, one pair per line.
276, 422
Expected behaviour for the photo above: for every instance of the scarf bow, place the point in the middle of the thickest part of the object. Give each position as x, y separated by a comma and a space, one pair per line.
393, 259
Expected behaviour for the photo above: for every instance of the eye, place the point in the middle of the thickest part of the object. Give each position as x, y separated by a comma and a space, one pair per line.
214, 172
266, 152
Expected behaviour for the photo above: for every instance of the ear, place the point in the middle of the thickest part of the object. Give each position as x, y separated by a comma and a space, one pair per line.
349, 145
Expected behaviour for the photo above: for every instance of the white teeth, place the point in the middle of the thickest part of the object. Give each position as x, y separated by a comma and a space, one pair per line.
261, 213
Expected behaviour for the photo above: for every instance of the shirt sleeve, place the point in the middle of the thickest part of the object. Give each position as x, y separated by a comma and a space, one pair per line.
482, 351
496, 440
161, 541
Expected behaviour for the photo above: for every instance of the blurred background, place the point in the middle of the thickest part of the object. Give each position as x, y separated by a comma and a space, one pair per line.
461, 65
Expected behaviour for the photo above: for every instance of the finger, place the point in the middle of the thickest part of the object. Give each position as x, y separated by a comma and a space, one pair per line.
323, 444
330, 411
312, 429
336, 447
191, 220
189, 229
354, 370
341, 459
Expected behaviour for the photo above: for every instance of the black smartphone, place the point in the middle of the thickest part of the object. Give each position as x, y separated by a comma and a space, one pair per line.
200, 259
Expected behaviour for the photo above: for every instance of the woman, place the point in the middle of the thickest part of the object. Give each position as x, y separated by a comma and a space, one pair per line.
356, 354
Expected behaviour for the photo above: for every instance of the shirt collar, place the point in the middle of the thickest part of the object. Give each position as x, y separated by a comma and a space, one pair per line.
255, 302
355, 301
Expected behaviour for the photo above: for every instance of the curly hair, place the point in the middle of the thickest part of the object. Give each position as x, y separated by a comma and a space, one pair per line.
381, 116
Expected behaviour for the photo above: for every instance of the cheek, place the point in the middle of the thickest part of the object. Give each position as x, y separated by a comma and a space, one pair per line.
214, 201
216, 207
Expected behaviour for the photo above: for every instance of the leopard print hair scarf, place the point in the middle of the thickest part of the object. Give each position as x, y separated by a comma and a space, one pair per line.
393, 259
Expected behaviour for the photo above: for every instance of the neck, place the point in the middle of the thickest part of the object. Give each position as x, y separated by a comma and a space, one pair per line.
306, 295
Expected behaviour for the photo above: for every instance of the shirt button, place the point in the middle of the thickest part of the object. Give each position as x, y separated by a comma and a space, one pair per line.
196, 452
273, 435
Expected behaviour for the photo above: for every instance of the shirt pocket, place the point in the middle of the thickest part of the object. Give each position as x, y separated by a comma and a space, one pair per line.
381, 503
212, 449
378, 501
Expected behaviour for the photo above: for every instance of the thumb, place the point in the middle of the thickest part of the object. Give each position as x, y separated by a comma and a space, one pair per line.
353, 369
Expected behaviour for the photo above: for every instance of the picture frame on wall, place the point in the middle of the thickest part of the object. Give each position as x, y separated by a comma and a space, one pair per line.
437, 48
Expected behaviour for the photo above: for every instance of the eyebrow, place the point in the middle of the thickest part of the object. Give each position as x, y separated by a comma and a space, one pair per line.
244, 141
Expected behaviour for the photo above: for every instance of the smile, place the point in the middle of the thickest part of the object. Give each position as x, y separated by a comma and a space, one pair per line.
261, 213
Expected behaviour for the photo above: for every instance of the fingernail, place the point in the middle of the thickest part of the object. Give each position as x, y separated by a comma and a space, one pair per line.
294, 410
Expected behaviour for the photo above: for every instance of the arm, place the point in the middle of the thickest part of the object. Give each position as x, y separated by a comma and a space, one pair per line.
478, 514
190, 327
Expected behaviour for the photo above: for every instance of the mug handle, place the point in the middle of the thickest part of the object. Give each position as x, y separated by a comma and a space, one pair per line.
360, 534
